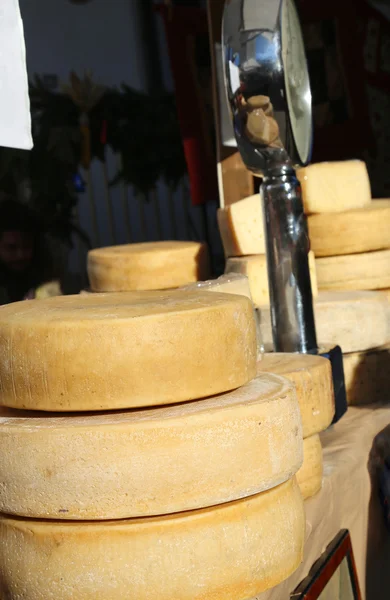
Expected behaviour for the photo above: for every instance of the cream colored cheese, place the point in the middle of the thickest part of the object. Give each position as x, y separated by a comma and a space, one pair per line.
112, 351
234, 550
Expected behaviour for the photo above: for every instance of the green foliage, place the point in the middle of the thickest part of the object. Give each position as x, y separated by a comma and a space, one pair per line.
142, 128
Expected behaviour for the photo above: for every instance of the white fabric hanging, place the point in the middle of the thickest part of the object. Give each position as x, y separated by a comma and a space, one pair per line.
15, 119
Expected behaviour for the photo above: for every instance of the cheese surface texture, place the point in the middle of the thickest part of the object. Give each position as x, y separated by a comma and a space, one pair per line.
355, 320
366, 271
147, 266
235, 550
111, 351
362, 230
309, 476
367, 376
159, 461
312, 376
241, 226
334, 186
255, 268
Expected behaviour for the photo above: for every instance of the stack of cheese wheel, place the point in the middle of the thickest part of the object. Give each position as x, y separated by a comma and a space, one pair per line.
350, 236
312, 376
141, 455
147, 266
242, 232
358, 322
349, 232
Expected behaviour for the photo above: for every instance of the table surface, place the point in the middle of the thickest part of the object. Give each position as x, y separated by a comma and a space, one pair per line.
353, 454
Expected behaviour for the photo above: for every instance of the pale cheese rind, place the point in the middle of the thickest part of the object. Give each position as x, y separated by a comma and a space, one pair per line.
309, 476
241, 226
150, 462
235, 550
367, 376
334, 186
351, 232
147, 266
355, 320
255, 268
365, 271
112, 351
312, 376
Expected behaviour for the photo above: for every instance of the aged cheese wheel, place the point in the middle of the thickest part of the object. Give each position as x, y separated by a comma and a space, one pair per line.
355, 320
334, 186
366, 271
367, 376
233, 550
255, 268
147, 266
309, 476
241, 227
111, 351
154, 462
312, 376
361, 230
233, 283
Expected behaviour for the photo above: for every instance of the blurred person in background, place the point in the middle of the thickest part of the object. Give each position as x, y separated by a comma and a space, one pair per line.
27, 267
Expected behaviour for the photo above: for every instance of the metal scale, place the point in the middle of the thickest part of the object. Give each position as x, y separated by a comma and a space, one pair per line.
268, 90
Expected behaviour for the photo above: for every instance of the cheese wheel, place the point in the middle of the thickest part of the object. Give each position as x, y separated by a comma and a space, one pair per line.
309, 476
147, 266
366, 271
334, 186
154, 462
111, 351
362, 230
233, 283
255, 268
367, 376
312, 376
241, 226
355, 321
234, 550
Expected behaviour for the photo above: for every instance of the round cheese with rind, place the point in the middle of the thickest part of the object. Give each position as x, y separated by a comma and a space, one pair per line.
148, 462
147, 266
351, 232
312, 376
112, 351
353, 320
365, 271
309, 476
234, 550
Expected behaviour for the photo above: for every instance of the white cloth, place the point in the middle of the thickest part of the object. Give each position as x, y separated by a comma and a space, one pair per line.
15, 119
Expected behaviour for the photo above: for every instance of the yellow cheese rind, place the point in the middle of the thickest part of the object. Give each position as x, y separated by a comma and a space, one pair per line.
112, 351
255, 268
312, 376
241, 226
235, 550
309, 476
351, 232
366, 271
334, 186
355, 321
367, 376
147, 266
150, 462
